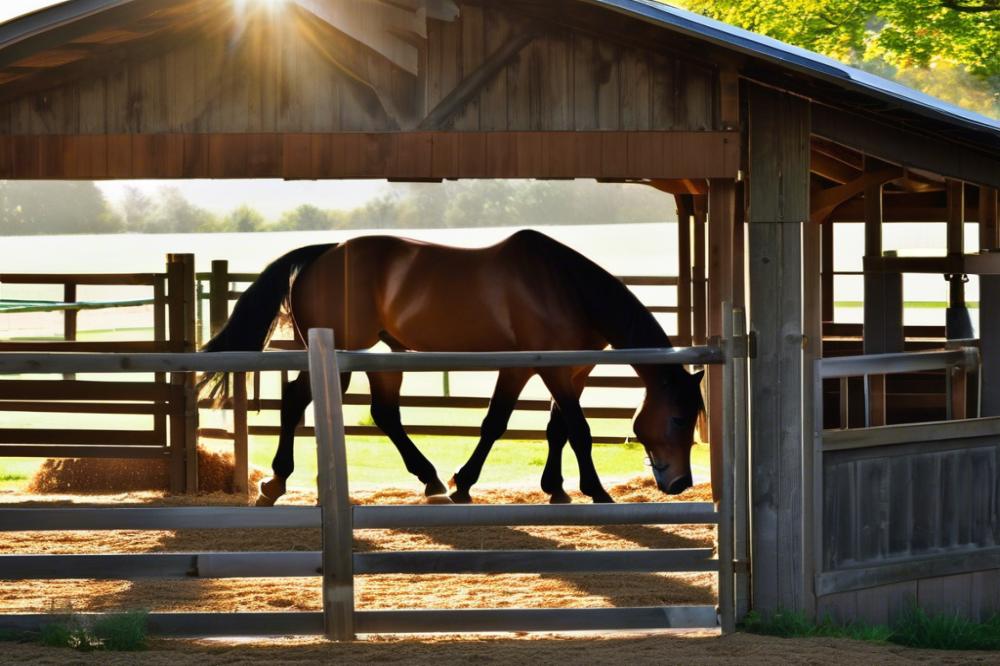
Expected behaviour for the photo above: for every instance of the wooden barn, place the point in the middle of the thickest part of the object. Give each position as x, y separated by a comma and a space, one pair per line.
765, 146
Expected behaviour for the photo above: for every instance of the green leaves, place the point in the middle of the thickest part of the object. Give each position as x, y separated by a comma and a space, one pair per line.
894, 36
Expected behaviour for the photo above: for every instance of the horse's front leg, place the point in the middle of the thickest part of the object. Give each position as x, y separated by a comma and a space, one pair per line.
578, 431
385, 388
510, 383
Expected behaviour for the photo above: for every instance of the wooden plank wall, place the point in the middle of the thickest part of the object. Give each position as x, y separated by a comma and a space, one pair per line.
888, 503
973, 595
289, 76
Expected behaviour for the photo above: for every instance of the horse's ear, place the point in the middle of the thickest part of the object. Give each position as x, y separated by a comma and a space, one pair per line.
698, 376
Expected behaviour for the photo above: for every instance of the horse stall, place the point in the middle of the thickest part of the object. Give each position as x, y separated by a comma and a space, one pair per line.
764, 147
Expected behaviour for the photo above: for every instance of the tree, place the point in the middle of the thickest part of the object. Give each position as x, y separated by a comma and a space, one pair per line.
902, 34
54, 207
244, 219
175, 214
138, 209
305, 218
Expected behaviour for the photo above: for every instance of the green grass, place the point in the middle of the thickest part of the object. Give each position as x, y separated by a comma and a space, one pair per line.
915, 629
119, 632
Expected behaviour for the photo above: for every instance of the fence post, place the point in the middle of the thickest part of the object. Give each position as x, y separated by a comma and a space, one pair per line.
740, 499
725, 503
181, 317
338, 528
241, 434
218, 295
69, 319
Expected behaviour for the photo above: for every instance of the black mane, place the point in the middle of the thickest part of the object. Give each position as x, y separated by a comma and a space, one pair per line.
611, 307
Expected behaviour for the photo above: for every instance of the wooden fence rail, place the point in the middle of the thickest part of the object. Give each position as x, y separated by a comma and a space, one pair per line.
172, 410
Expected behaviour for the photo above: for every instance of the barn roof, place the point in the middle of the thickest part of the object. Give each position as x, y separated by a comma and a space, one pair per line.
808, 62
817, 76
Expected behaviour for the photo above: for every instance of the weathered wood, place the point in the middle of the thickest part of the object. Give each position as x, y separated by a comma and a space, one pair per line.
338, 530
721, 219
845, 440
157, 518
533, 561
297, 156
409, 621
218, 299
684, 281
905, 147
779, 204
989, 310
241, 436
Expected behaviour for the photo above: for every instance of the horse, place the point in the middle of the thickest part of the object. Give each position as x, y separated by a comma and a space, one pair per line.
527, 292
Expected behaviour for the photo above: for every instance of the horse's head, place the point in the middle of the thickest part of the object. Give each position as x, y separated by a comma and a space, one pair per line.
665, 424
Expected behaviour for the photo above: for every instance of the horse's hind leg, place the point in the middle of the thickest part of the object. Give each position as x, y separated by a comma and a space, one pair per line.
295, 397
552, 480
510, 383
557, 436
385, 413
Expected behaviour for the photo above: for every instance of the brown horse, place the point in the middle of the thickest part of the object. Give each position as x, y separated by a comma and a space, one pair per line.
527, 292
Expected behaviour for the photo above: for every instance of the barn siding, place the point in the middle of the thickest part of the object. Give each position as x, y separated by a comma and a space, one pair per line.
279, 78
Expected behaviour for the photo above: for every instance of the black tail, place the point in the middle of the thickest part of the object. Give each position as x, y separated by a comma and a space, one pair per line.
257, 310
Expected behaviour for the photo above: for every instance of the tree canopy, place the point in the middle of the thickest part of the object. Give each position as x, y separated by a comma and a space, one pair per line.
891, 37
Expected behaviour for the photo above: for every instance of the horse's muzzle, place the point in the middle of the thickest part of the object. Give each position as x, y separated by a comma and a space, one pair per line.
679, 485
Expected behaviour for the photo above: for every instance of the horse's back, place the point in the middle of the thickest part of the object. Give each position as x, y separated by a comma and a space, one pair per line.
508, 296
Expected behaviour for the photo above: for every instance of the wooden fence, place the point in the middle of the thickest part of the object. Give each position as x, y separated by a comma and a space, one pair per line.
338, 518
169, 401
907, 513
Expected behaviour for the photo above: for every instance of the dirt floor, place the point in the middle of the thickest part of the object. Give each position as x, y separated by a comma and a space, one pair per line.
440, 591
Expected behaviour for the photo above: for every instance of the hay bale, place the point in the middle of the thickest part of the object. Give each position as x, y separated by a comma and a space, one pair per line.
102, 475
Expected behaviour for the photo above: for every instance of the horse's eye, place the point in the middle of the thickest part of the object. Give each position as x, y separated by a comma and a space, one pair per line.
678, 421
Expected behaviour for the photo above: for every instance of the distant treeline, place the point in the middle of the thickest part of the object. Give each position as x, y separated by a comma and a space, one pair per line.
52, 207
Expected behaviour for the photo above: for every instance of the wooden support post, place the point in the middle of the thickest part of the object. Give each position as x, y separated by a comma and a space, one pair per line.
182, 323
698, 278
739, 249
684, 212
721, 204
218, 296
989, 312
876, 310
69, 320
741, 468
779, 205
828, 270
958, 323
241, 434
160, 337
723, 491
338, 527
988, 239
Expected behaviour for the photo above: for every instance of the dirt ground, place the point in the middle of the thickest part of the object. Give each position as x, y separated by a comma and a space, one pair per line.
438, 591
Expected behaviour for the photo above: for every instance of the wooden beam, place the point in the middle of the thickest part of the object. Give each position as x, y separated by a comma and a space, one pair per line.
831, 168
907, 148
470, 86
721, 214
989, 309
824, 201
377, 24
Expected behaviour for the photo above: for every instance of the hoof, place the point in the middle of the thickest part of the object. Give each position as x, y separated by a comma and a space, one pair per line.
560, 498
439, 499
603, 499
461, 497
435, 487
270, 491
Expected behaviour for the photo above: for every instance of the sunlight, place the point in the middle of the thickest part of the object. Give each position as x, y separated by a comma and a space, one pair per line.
270, 5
